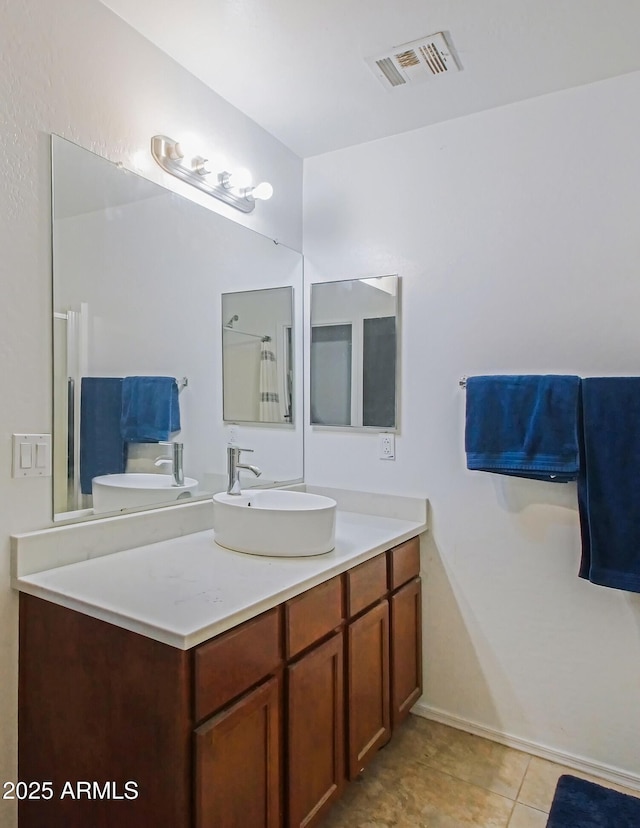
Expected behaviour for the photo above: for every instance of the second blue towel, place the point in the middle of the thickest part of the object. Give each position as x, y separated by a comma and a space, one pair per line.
150, 409
609, 482
523, 426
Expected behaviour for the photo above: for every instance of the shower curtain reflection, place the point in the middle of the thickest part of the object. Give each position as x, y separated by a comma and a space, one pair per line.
257, 356
269, 408
241, 359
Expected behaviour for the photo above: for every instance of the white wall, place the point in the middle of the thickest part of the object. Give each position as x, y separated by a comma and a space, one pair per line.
74, 68
515, 232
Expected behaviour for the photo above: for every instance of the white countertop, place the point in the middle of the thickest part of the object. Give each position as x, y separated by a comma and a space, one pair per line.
184, 590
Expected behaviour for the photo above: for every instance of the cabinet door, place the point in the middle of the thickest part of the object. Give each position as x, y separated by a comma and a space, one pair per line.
237, 763
367, 686
406, 650
315, 746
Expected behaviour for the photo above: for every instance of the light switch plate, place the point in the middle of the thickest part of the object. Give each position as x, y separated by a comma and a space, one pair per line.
32, 455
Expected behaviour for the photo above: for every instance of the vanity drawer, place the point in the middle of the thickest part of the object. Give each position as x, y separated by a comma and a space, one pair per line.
404, 563
365, 584
312, 615
235, 661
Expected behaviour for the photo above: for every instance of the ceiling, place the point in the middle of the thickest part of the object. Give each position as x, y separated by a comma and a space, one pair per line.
298, 67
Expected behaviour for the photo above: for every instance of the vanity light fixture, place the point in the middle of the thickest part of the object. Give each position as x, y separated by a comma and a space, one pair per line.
232, 188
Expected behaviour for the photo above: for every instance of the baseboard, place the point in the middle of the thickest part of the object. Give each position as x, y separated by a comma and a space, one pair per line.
578, 763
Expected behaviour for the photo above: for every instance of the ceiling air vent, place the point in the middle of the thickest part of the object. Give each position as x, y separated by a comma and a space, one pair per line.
414, 62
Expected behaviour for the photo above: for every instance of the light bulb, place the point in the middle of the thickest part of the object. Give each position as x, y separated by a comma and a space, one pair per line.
262, 191
241, 178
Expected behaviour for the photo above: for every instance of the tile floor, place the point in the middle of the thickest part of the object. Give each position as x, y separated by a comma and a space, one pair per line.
433, 776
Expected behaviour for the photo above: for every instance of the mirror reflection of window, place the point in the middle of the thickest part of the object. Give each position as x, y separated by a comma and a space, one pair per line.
331, 349
379, 372
354, 353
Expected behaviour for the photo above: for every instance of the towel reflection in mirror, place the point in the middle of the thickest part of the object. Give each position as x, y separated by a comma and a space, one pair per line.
116, 412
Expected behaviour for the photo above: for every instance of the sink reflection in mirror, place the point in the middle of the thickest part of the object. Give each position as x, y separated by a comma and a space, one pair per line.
138, 276
275, 522
115, 492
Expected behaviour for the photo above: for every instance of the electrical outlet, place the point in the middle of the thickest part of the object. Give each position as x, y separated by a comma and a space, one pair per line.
387, 446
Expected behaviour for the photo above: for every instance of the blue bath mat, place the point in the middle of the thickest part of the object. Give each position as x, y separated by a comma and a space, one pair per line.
581, 804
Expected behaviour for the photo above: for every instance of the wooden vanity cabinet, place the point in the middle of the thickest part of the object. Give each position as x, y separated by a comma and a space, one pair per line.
257, 727
367, 644
100, 704
405, 628
315, 702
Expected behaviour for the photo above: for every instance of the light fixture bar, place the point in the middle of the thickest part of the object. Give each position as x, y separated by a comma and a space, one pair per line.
166, 153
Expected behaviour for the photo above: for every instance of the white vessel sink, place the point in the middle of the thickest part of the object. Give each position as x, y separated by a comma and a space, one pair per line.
275, 522
112, 492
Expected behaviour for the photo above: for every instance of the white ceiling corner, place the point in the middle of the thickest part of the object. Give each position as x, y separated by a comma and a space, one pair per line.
299, 68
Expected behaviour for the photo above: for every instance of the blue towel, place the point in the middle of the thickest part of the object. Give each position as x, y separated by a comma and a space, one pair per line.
102, 449
609, 482
150, 409
523, 426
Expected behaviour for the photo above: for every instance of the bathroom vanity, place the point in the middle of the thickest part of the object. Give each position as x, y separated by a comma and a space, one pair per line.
267, 686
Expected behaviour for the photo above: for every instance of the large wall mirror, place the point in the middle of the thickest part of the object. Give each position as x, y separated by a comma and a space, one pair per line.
139, 273
354, 353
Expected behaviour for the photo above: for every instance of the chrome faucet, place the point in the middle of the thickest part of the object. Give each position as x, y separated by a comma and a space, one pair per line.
233, 467
175, 458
